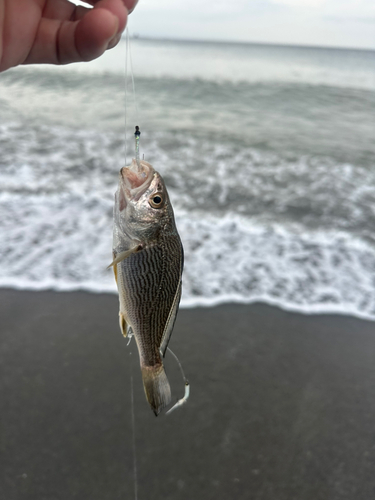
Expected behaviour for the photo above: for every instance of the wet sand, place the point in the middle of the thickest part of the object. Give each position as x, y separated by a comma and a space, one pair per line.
282, 405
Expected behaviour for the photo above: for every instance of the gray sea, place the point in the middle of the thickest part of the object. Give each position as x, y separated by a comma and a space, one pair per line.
268, 153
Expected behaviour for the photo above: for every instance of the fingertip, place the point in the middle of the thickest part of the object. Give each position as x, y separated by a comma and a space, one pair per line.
94, 33
114, 41
130, 5
118, 8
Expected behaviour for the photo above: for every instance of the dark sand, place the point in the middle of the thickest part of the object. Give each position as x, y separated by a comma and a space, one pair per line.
282, 405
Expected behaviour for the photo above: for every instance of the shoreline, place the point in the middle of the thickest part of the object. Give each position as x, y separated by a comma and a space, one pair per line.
281, 404
198, 303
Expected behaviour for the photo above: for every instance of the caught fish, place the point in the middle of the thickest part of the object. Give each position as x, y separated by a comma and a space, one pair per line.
147, 262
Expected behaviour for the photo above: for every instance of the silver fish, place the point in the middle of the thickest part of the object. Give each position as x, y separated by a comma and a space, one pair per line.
148, 262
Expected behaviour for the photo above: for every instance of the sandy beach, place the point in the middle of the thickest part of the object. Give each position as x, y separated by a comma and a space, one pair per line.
282, 405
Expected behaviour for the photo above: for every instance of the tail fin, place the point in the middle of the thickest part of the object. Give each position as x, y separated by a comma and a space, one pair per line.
157, 388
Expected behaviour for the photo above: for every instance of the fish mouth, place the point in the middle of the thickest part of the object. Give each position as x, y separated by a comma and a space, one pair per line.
136, 179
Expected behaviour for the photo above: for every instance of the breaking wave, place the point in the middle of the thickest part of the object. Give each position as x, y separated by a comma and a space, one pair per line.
63, 242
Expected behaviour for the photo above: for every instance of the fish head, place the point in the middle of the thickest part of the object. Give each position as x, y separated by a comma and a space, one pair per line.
142, 205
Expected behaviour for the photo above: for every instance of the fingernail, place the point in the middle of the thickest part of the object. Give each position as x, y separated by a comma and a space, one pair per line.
114, 41
131, 10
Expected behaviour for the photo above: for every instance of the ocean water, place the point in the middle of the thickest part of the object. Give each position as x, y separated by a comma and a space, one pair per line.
268, 153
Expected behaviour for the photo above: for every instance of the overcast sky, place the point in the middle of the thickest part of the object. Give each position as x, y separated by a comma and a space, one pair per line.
339, 23
343, 23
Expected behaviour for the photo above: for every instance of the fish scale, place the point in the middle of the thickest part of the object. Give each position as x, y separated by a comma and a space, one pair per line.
147, 300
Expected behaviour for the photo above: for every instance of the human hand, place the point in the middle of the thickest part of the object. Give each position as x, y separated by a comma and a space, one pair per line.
59, 32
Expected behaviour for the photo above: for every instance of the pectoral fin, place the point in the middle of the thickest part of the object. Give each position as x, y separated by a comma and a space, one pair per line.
170, 321
124, 255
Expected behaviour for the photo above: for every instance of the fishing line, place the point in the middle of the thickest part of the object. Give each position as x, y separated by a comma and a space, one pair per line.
132, 75
129, 59
135, 475
126, 88
128, 56
179, 364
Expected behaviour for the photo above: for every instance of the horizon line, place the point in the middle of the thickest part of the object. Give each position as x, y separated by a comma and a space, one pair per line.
138, 36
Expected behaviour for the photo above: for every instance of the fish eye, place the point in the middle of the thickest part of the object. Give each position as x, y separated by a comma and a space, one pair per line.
156, 201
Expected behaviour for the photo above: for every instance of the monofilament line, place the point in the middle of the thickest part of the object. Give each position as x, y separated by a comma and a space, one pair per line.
179, 364
133, 434
128, 55
126, 88
132, 75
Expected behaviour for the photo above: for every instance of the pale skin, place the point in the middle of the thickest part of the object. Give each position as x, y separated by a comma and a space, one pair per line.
59, 32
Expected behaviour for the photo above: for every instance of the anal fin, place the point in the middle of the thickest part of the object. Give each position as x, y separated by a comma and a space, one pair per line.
123, 324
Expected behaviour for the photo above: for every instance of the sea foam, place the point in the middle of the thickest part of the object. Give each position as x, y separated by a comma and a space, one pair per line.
64, 243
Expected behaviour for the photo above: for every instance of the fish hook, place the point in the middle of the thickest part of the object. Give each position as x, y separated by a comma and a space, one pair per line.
183, 400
